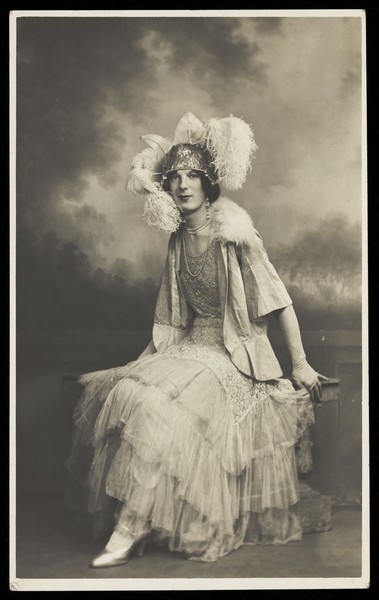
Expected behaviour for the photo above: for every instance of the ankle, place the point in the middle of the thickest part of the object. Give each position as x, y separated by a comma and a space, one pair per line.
120, 541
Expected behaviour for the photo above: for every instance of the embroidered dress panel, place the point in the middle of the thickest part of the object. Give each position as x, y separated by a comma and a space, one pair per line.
202, 291
205, 344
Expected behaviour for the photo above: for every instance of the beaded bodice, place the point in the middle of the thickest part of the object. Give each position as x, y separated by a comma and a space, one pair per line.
201, 291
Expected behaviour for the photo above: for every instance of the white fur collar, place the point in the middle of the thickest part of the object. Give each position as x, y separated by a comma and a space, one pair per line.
232, 223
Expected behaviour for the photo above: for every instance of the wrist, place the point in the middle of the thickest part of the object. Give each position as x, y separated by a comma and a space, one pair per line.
299, 362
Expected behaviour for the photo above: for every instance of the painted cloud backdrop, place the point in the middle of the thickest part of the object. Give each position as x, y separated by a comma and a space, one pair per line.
88, 88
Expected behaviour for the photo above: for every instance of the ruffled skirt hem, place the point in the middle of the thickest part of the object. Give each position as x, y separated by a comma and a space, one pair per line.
159, 437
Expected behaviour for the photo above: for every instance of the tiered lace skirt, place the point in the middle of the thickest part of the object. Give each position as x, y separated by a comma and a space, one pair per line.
191, 448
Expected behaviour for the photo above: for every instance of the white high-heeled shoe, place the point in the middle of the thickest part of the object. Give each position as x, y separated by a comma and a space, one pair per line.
109, 558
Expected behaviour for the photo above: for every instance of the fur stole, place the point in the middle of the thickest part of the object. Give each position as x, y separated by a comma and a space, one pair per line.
231, 222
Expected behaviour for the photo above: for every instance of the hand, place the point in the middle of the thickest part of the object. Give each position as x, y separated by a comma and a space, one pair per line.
306, 377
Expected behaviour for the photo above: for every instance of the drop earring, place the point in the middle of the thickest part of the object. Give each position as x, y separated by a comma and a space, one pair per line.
207, 205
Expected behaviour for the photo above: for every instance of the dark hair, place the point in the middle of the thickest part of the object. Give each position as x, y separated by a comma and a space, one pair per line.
211, 190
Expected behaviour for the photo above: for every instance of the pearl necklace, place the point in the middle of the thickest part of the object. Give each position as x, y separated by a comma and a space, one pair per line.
194, 230
202, 262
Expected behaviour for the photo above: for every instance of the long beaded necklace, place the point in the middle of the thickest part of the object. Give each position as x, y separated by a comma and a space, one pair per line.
204, 259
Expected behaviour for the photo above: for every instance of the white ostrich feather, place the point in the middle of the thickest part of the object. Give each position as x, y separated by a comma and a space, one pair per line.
231, 142
161, 212
159, 144
160, 209
146, 159
189, 130
145, 165
140, 181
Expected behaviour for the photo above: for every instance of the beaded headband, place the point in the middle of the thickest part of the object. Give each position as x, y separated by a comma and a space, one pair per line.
221, 148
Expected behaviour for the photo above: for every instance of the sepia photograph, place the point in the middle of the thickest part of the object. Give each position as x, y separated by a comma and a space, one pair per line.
189, 377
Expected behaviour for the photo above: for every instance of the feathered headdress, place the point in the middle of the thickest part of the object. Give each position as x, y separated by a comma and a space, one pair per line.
222, 148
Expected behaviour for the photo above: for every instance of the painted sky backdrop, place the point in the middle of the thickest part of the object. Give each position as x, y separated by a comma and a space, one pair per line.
88, 88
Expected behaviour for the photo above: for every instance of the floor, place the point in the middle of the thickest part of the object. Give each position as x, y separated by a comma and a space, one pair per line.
50, 544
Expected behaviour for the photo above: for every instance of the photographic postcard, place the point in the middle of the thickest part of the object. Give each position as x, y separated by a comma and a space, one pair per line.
85, 86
